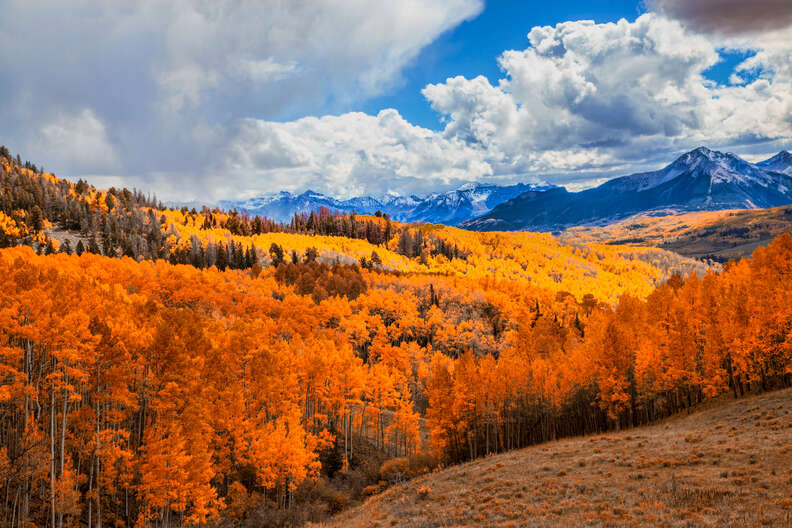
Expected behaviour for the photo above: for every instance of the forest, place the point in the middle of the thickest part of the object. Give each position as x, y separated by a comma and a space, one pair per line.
180, 368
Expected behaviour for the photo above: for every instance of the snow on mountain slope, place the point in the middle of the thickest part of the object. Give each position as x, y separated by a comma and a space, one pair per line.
701, 179
781, 162
449, 207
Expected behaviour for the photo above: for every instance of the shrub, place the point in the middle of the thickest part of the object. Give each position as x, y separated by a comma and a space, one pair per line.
402, 468
395, 470
374, 489
422, 463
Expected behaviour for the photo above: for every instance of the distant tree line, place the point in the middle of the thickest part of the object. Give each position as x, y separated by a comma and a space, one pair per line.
120, 222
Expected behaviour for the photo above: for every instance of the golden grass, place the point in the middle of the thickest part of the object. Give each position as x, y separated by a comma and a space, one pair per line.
725, 235
728, 464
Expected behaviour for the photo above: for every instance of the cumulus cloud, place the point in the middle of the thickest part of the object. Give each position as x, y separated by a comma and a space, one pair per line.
350, 154
601, 97
79, 141
202, 99
732, 17
169, 81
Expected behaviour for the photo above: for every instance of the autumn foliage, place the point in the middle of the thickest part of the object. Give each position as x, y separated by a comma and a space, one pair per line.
145, 392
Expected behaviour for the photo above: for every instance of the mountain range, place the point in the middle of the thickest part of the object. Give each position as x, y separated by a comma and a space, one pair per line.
699, 180
449, 208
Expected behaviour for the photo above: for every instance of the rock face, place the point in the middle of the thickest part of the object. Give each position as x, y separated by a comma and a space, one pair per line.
702, 179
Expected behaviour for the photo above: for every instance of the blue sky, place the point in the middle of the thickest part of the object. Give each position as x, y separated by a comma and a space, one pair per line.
472, 48
210, 99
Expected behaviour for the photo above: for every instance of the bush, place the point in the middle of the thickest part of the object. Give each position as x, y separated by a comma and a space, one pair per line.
374, 489
403, 468
422, 463
336, 499
395, 470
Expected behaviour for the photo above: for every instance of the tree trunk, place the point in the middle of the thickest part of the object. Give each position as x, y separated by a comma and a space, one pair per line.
52, 455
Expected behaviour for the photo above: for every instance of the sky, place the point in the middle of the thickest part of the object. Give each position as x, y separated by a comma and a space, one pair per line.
206, 99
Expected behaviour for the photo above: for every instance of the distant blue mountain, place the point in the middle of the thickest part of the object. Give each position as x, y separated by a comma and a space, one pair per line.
283, 205
702, 179
781, 162
450, 208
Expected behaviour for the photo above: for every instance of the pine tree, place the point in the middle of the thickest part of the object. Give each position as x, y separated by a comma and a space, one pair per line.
276, 254
311, 255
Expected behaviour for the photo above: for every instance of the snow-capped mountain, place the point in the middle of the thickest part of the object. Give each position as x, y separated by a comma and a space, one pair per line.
781, 162
282, 206
449, 207
462, 204
701, 179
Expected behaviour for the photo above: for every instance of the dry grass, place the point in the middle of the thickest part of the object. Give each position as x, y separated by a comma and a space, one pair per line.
726, 465
724, 235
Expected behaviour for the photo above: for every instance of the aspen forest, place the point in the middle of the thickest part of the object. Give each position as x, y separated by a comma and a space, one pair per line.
169, 367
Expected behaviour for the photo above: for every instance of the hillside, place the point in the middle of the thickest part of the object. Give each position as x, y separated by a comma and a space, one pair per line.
45, 211
206, 367
716, 235
700, 180
725, 464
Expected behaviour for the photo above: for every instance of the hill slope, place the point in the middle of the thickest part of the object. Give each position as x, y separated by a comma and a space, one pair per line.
42, 210
725, 465
717, 235
701, 180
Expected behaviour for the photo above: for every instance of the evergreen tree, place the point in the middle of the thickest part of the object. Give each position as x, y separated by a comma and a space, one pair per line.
311, 255
276, 254
221, 261
93, 246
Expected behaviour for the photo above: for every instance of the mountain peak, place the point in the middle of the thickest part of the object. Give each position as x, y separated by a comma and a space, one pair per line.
450, 207
707, 160
702, 179
702, 153
784, 155
781, 162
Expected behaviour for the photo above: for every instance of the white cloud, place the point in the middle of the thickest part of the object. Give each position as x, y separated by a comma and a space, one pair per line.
79, 141
599, 96
265, 70
196, 99
350, 154
582, 103
170, 80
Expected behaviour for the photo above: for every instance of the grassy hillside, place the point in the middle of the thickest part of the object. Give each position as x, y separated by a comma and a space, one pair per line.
726, 464
716, 235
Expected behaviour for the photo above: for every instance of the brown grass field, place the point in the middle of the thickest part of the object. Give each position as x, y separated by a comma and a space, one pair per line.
719, 235
726, 464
